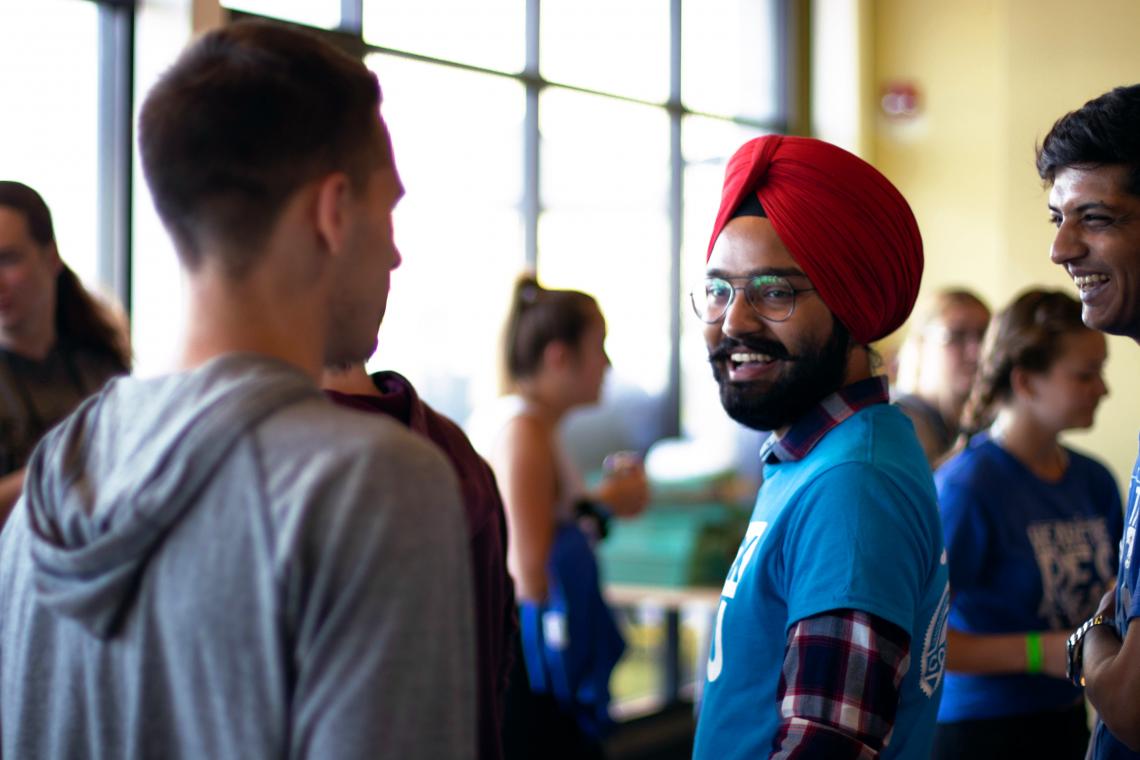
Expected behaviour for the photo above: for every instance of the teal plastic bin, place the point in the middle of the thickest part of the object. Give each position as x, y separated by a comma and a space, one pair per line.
689, 544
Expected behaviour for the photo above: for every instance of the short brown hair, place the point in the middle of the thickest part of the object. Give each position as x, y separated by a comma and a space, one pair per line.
247, 115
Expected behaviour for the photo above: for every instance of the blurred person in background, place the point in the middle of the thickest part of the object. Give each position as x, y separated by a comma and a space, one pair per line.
555, 361
58, 343
936, 367
1032, 529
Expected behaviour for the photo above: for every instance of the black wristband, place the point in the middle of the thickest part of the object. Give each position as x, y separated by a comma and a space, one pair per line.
596, 514
1074, 648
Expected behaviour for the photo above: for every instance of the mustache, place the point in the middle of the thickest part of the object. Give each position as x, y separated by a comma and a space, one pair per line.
723, 350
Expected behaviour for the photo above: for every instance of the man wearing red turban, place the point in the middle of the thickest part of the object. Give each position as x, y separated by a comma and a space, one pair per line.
830, 637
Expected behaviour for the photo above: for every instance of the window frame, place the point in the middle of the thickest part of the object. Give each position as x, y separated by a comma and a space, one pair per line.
792, 40
115, 167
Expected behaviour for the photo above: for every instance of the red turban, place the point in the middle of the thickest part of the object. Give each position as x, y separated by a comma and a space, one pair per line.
844, 223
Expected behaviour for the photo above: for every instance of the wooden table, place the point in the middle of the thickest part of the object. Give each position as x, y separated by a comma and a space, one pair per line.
672, 600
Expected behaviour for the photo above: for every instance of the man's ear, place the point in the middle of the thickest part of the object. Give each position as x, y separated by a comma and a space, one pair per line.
333, 194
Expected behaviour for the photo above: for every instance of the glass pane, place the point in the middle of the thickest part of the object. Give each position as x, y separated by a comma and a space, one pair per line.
602, 153
458, 228
324, 14
487, 33
730, 58
706, 145
49, 48
622, 48
605, 230
159, 293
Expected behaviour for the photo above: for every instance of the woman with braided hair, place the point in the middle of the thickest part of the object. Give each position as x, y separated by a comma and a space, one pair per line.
1031, 529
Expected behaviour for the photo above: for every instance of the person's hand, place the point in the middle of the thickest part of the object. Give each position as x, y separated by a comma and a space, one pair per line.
624, 488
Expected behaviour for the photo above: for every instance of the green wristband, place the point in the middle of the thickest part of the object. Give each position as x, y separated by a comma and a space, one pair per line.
1034, 653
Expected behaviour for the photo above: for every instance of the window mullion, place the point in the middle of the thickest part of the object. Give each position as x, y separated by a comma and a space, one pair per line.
115, 134
532, 203
672, 402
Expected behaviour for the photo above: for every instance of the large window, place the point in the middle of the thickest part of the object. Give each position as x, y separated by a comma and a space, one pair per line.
49, 51
582, 138
65, 66
585, 139
459, 228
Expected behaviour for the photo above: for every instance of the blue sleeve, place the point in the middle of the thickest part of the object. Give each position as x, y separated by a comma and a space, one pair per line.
1132, 546
858, 542
965, 525
1115, 510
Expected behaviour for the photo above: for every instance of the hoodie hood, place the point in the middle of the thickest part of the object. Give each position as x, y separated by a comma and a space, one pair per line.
106, 486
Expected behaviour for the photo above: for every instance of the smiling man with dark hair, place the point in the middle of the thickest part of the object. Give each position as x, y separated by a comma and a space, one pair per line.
830, 636
1091, 161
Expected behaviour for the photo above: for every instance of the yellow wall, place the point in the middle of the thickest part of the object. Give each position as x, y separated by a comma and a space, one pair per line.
993, 76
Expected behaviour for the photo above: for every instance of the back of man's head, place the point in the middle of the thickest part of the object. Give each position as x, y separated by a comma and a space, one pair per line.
1105, 130
248, 115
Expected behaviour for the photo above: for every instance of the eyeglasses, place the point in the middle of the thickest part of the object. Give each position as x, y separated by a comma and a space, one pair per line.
772, 298
956, 338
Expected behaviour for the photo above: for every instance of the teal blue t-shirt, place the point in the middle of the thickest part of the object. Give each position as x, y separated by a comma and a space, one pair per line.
853, 525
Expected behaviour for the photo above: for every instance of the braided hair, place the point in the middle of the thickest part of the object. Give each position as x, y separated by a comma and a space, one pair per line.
1026, 335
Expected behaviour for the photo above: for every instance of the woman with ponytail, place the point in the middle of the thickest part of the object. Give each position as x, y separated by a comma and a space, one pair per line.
57, 343
554, 361
1031, 529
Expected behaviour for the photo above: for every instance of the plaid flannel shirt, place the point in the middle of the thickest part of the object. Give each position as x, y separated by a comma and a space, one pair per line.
807, 431
839, 688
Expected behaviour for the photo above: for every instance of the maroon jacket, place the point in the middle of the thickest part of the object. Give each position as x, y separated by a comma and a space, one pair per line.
495, 617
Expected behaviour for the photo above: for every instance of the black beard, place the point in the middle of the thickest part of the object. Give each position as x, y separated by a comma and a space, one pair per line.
811, 377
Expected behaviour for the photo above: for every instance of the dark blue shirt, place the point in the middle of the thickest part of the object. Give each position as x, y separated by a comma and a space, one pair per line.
1025, 555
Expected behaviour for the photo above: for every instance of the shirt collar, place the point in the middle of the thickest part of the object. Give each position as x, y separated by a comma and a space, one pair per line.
807, 431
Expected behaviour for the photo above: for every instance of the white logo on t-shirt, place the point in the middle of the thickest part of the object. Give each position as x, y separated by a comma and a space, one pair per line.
1075, 561
934, 646
743, 557
1130, 532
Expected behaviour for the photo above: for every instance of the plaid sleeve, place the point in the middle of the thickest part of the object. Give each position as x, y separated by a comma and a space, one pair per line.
839, 689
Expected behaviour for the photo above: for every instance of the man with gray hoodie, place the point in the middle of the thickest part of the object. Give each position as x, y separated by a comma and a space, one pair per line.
219, 563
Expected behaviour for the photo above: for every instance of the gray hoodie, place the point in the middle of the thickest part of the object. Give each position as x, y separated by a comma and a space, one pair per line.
221, 564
